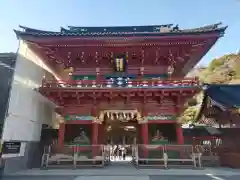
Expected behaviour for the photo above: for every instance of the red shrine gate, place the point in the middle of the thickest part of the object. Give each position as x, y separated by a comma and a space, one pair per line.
136, 73
146, 105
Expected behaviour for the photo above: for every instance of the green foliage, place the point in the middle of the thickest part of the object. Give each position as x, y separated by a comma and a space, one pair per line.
224, 70
189, 114
216, 63
192, 102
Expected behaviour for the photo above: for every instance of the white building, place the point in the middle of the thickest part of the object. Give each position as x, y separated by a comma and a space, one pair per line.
28, 110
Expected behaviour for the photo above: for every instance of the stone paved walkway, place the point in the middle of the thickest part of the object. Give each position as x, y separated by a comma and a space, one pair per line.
159, 177
126, 172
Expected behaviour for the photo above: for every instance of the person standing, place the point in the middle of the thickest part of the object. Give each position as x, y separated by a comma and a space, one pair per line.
124, 152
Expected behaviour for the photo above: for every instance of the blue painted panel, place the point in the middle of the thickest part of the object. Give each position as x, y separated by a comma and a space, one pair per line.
82, 77
76, 117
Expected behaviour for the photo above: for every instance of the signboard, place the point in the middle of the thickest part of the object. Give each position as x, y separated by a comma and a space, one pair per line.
11, 147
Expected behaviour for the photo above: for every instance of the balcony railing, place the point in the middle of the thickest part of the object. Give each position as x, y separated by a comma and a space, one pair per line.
120, 83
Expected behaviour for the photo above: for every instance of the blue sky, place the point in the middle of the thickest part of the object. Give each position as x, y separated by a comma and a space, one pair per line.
52, 14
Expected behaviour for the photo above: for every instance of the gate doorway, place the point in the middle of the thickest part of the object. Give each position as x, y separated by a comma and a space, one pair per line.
121, 133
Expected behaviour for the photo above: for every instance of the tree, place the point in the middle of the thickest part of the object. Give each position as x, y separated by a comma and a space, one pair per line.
189, 114
225, 70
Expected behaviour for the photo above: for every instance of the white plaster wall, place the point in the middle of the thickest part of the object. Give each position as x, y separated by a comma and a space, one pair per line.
28, 110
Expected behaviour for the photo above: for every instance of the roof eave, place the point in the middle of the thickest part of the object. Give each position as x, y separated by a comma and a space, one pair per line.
64, 33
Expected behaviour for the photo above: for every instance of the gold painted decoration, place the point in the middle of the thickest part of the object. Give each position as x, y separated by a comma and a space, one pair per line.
101, 117
143, 120
138, 116
120, 115
120, 63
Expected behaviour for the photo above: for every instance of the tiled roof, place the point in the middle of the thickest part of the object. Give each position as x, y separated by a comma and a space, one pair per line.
199, 131
223, 96
8, 59
158, 30
226, 95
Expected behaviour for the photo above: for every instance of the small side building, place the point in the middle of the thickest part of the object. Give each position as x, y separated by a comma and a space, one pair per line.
221, 106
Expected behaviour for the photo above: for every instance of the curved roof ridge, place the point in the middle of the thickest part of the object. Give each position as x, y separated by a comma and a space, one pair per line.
209, 27
116, 31
33, 30
161, 25
76, 28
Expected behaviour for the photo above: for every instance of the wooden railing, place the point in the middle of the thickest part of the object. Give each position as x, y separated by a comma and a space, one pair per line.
132, 83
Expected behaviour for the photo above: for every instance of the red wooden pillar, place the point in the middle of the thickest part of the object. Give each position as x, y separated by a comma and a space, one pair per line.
95, 139
95, 133
179, 133
61, 133
95, 126
144, 133
101, 133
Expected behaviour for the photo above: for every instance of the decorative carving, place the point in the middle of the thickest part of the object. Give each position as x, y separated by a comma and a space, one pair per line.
143, 120
120, 115
101, 117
